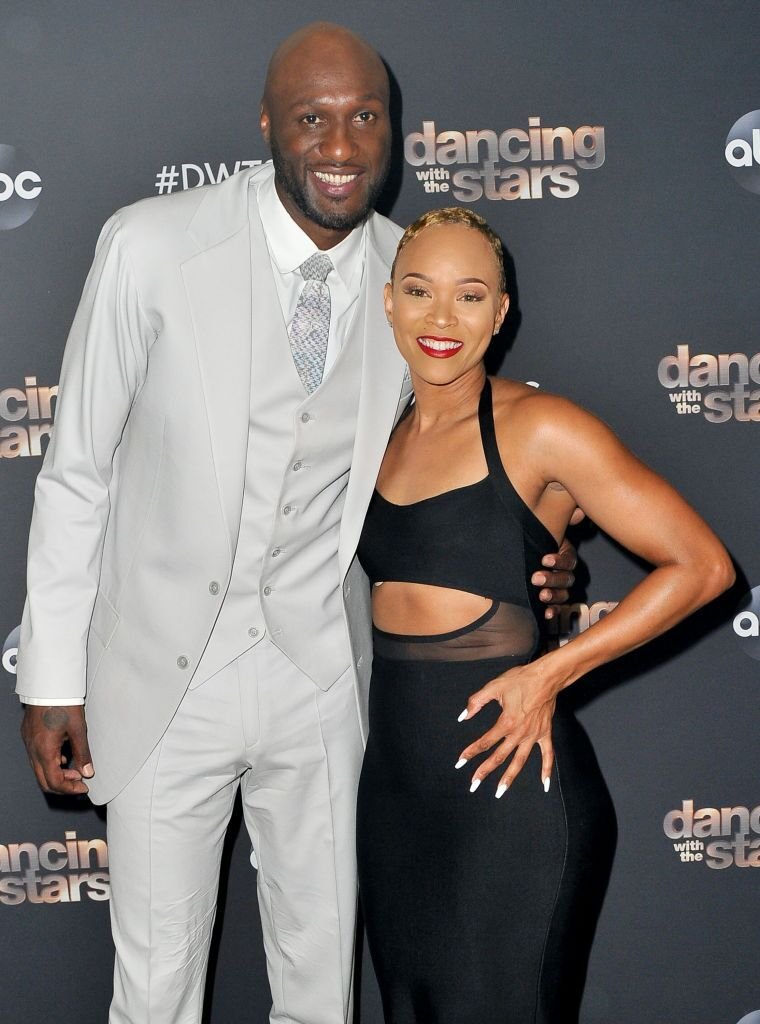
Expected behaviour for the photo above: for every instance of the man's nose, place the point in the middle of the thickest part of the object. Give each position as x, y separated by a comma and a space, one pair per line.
338, 144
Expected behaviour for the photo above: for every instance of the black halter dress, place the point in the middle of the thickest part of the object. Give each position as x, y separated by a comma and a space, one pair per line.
477, 910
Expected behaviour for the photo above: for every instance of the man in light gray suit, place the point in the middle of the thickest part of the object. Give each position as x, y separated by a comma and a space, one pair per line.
192, 578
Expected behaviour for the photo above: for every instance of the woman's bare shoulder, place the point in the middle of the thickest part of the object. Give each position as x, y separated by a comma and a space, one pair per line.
522, 406
539, 421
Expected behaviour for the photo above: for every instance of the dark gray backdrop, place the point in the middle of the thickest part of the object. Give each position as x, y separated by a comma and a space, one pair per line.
657, 248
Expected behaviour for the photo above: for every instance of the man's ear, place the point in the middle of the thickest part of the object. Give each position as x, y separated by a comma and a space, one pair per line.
264, 122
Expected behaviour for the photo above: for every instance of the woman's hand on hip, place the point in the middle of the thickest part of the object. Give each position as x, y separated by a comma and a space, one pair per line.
527, 708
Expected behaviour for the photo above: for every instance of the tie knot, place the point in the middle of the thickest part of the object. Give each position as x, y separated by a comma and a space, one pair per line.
316, 268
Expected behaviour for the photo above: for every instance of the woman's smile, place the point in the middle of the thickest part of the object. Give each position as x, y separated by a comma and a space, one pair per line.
437, 347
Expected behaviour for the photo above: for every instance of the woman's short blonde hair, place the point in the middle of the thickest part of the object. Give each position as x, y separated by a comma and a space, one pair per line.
455, 215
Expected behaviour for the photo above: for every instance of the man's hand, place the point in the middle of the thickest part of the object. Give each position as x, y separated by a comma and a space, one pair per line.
44, 731
555, 584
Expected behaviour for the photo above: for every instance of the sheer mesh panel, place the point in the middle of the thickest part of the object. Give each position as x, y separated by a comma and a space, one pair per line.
504, 631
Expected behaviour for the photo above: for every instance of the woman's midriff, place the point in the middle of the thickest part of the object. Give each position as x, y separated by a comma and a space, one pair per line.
424, 610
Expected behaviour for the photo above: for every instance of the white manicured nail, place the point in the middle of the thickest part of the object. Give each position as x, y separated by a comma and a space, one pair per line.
461, 762
501, 789
547, 781
464, 715
475, 784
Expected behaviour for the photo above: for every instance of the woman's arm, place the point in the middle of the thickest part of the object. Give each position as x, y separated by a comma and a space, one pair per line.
643, 513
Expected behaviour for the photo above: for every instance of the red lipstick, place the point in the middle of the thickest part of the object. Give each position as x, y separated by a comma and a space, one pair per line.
438, 347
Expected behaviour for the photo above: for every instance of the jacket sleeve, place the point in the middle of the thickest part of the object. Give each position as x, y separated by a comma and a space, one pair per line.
104, 366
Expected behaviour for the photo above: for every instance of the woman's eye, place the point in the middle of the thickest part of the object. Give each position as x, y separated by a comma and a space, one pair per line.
472, 297
416, 291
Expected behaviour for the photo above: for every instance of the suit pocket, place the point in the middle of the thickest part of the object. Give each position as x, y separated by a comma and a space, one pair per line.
133, 496
103, 624
104, 620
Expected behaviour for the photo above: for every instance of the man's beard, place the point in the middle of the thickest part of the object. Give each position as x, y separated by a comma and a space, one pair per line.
332, 220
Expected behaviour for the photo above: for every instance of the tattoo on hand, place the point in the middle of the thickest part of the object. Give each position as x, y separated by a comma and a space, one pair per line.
55, 718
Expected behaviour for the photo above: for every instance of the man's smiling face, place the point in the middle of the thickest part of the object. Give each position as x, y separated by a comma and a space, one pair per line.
325, 117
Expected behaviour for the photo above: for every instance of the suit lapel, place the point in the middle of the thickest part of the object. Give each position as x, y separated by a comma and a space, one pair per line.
218, 283
218, 287
380, 394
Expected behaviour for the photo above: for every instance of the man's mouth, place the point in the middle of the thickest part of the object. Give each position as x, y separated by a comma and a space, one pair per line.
335, 179
439, 348
336, 184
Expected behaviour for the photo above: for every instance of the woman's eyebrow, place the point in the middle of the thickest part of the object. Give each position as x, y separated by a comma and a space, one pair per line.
460, 280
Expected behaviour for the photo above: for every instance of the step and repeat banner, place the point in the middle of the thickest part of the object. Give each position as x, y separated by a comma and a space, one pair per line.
616, 149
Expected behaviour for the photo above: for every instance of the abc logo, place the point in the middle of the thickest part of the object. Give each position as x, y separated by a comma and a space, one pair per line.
751, 1018
20, 188
747, 627
10, 650
743, 151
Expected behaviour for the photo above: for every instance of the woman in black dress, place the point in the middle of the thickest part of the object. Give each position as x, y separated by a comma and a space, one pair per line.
480, 886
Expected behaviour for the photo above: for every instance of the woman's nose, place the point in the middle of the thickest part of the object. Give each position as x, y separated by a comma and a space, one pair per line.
441, 314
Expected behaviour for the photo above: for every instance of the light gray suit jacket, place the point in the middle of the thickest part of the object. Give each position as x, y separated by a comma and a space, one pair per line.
137, 505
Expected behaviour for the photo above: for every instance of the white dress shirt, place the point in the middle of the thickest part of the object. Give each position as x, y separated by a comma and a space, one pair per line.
289, 247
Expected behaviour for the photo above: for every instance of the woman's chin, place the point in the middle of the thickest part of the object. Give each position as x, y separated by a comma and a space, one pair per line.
439, 373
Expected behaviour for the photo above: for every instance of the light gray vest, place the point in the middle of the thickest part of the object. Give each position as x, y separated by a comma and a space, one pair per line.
285, 577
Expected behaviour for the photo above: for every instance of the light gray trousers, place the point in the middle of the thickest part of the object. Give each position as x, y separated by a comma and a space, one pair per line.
295, 752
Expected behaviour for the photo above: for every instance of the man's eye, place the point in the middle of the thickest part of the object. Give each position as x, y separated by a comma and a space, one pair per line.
310, 119
365, 116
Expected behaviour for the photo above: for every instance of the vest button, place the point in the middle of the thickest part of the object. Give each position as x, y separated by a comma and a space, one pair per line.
297, 465
305, 417
276, 552
287, 510
267, 591
182, 661
213, 587
253, 632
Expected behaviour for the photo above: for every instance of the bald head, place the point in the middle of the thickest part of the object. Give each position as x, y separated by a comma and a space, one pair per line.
325, 117
321, 44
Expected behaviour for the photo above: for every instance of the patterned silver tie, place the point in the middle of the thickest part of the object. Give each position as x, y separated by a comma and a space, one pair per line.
310, 326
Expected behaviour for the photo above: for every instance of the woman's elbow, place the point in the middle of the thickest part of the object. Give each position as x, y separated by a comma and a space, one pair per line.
719, 574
